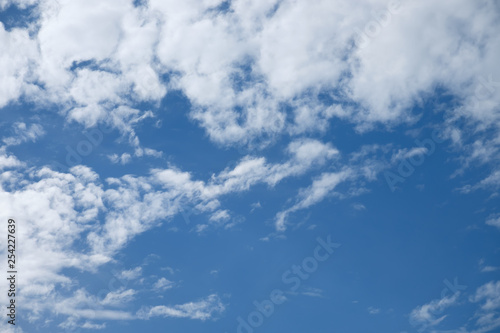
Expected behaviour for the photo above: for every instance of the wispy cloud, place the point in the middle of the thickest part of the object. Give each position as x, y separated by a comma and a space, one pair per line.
163, 284
429, 315
206, 308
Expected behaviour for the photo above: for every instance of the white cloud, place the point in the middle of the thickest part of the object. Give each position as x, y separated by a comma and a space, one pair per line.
73, 323
358, 206
252, 73
23, 133
119, 297
291, 47
315, 193
168, 269
163, 284
91, 326
19, 3
360, 166
77, 205
490, 293
131, 274
313, 292
200, 228
488, 269
83, 305
304, 154
17, 62
122, 159
220, 216
257, 70
206, 308
492, 182
8, 161
494, 221
488, 317
426, 314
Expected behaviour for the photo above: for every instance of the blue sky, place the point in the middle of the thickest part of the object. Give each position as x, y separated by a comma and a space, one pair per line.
251, 166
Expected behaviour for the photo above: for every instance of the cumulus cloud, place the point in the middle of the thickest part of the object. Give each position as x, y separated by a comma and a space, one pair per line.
8, 161
17, 63
283, 54
252, 72
293, 66
24, 133
60, 209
